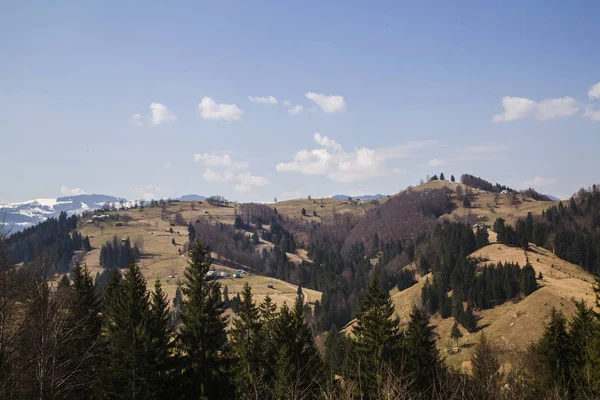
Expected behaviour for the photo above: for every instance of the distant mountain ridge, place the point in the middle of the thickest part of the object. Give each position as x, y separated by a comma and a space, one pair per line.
364, 197
18, 216
191, 197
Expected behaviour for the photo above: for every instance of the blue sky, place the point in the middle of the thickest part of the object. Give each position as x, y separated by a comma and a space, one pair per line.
152, 99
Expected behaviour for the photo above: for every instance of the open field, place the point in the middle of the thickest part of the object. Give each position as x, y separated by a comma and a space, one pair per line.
160, 258
489, 206
325, 208
512, 325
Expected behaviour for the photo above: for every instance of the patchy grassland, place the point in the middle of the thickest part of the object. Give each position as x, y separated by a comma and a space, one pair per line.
160, 258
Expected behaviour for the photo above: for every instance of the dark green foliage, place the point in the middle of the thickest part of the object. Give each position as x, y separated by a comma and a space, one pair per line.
456, 333
442, 177
160, 322
130, 363
86, 352
452, 179
423, 361
298, 367
247, 349
466, 202
118, 253
376, 342
482, 237
528, 282
485, 368
553, 350
482, 184
56, 238
202, 340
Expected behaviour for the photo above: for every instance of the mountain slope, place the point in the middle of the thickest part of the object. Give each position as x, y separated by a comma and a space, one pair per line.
18, 216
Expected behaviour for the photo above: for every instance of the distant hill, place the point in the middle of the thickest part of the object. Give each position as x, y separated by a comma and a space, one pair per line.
18, 216
363, 197
553, 198
191, 197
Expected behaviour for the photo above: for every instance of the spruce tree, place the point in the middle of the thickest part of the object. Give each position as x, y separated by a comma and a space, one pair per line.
161, 337
202, 340
246, 339
423, 360
87, 350
553, 350
299, 367
456, 333
130, 363
376, 343
485, 370
584, 336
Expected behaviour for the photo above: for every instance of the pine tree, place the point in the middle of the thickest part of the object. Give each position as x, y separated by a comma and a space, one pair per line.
442, 177
553, 350
456, 333
452, 179
423, 357
247, 341
202, 340
299, 367
160, 323
86, 352
469, 321
130, 363
584, 336
528, 282
376, 343
485, 370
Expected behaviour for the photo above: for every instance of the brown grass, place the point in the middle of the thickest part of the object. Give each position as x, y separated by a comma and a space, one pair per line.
160, 258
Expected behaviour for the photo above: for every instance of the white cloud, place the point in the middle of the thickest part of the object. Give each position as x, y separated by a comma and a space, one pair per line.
341, 166
329, 104
592, 114
435, 162
286, 103
519, 107
160, 114
168, 165
270, 100
67, 191
224, 171
540, 181
296, 110
556, 108
136, 120
211, 110
219, 177
214, 160
246, 182
327, 142
594, 92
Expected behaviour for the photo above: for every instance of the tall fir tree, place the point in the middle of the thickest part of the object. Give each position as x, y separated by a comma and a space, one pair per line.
423, 361
130, 363
247, 342
553, 350
376, 346
485, 370
85, 319
160, 323
202, 339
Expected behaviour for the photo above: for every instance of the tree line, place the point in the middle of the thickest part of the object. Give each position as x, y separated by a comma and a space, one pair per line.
571, 232
56, 237
118, 253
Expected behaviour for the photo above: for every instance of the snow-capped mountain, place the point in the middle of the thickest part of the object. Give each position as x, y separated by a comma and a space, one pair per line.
18, 216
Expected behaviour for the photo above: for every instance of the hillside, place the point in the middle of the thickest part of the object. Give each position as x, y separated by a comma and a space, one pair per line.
487, 206
161, 258
514, 324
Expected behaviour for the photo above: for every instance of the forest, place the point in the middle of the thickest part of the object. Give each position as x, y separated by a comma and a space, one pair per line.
572, 232
71, 340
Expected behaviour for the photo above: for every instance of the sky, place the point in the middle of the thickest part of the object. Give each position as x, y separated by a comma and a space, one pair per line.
273, 99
